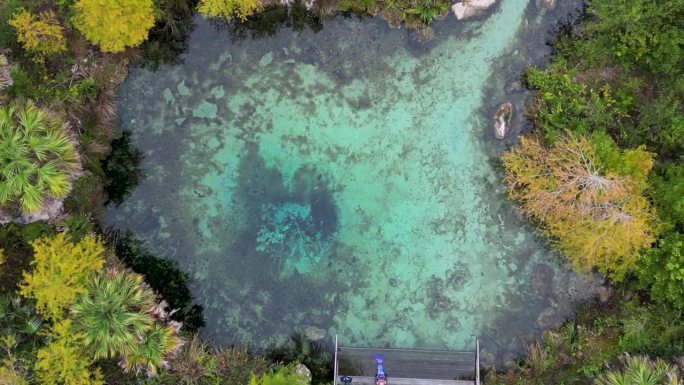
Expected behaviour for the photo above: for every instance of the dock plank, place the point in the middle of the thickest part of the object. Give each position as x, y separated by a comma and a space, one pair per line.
409, 363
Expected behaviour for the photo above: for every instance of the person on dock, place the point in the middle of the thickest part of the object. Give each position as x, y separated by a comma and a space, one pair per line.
380, 376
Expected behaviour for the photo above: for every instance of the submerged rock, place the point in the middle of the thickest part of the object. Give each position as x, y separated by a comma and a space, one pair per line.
469, 8
602, 293
542, 279
513, 87
548, 319
502, 120
548, 4
314, 333
266, 59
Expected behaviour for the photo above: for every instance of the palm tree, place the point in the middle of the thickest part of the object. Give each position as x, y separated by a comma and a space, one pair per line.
113, 316
154, 349
36, 157
640, 370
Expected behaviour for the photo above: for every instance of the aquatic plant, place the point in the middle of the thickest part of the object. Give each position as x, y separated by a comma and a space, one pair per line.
36, 157
290, 235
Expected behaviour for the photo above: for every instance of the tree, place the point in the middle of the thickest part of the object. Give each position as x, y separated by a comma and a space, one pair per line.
598, 217
60, 272
640, 370
114, 25
37, 158
662, 269
229, 8
153, 349
63, 361
39, 34
114, 314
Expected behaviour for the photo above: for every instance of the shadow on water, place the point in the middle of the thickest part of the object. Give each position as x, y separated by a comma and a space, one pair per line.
268, 22
163, 275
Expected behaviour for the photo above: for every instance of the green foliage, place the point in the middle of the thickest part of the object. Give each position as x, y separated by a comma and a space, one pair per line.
229, 8
113, 314
114, 25
356, 5
655, 330
153, 348
426, 10
14, 240
662, 269
40, 34
668, 193
86, 197
20, 322
77, 227
282, 375
8, 8
63, 361
641, 33
300, 350
36, 157
640, 370
60, 272
563, 104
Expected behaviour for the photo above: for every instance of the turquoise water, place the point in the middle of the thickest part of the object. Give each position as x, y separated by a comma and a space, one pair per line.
345, 182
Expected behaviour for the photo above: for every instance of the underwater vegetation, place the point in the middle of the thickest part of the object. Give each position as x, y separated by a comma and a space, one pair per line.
290, 235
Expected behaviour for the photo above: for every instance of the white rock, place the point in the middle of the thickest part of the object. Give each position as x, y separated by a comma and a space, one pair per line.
502, 120
469, 8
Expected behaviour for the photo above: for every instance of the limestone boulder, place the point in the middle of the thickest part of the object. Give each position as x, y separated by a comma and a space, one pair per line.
313, 333
548, 319
304, 372
502, 120
468, 8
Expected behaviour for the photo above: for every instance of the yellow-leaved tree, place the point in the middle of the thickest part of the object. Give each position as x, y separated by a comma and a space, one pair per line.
63, 360
229, 8
41, 34
60, 272
114, 25
599, 218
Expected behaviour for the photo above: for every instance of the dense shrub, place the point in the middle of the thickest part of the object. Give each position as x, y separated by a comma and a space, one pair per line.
114, 25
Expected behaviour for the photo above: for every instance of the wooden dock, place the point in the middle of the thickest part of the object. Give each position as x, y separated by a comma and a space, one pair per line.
408, 366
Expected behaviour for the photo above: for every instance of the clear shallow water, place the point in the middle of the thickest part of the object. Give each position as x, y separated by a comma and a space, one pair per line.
345, 182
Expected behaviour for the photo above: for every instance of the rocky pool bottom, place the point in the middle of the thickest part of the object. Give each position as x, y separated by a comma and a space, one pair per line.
345, 182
